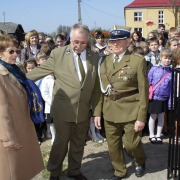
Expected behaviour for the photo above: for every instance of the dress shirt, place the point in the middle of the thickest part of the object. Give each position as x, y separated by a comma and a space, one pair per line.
120, 56
83, 59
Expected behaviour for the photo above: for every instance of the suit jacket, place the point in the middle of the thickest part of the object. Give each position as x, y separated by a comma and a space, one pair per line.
16, 126
26, 53
134, 77
70, 101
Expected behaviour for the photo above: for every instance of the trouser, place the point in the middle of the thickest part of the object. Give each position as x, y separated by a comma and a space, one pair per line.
38, 131
68, 132
131, 141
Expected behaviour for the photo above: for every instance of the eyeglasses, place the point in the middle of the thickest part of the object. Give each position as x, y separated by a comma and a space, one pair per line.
79, 43
11, 51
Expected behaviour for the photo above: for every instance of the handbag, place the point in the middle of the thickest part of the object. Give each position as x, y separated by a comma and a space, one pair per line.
151, 89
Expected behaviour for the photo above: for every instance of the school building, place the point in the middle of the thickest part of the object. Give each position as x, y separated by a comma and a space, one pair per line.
146, 15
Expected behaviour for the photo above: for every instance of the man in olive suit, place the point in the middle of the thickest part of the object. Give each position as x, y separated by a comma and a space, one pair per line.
76, 87
124, 86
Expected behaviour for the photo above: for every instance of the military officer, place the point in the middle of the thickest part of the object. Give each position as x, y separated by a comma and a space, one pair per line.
76, 86
124, 86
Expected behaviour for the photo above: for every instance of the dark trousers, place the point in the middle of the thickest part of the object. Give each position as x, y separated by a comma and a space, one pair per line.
131, 141
38, 131
75, 134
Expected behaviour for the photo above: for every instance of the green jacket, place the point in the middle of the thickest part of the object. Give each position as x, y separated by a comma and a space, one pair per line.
70, 101
133, 77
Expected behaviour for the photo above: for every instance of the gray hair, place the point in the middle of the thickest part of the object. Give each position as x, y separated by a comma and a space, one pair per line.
81, 28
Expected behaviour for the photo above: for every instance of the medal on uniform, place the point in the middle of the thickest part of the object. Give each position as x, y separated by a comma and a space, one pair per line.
129, 77
125, 78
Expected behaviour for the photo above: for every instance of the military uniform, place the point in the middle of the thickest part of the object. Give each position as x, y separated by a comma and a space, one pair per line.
120, 114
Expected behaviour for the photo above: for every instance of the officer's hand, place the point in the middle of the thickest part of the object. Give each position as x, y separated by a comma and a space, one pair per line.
139, 126
97, 122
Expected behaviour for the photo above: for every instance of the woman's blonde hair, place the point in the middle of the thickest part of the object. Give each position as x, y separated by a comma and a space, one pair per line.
30, 34
7, 41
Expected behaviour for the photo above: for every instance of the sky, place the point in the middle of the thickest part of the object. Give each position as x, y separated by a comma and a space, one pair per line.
47, 15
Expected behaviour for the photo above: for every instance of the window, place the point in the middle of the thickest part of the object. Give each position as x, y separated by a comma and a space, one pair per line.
161, 17
137, 16
138, 29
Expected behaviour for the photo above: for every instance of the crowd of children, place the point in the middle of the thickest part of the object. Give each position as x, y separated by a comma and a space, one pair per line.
160, 50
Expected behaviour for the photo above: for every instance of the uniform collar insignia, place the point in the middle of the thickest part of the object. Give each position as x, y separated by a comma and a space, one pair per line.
68, 51
89, 54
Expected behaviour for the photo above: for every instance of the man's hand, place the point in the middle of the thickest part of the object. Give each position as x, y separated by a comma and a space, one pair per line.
139, 126
97, 122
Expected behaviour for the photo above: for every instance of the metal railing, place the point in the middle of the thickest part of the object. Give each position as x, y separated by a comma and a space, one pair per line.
173, 170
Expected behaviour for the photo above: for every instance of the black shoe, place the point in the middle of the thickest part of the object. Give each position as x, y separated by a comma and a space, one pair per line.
114, 177
153, 141
54, 178
139, 170
79, 177
159, 140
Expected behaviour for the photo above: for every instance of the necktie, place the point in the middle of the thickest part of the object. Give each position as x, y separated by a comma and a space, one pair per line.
116, 61
81, 68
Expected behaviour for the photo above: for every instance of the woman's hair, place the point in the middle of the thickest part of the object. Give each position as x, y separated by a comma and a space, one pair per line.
30, 61
170, 40
160, 37
138, 34
60, 36
99, 34
152, 33
30, 34
40, 55
166, 52
7, 41
138, 50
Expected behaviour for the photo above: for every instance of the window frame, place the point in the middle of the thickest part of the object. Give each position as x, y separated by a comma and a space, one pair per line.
162, 18
138, 16
138, 29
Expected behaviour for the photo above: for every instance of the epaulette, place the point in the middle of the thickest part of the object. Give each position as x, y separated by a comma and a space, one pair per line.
138, 55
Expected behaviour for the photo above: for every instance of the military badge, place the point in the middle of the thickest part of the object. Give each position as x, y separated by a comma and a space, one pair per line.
68, 51
89, 54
